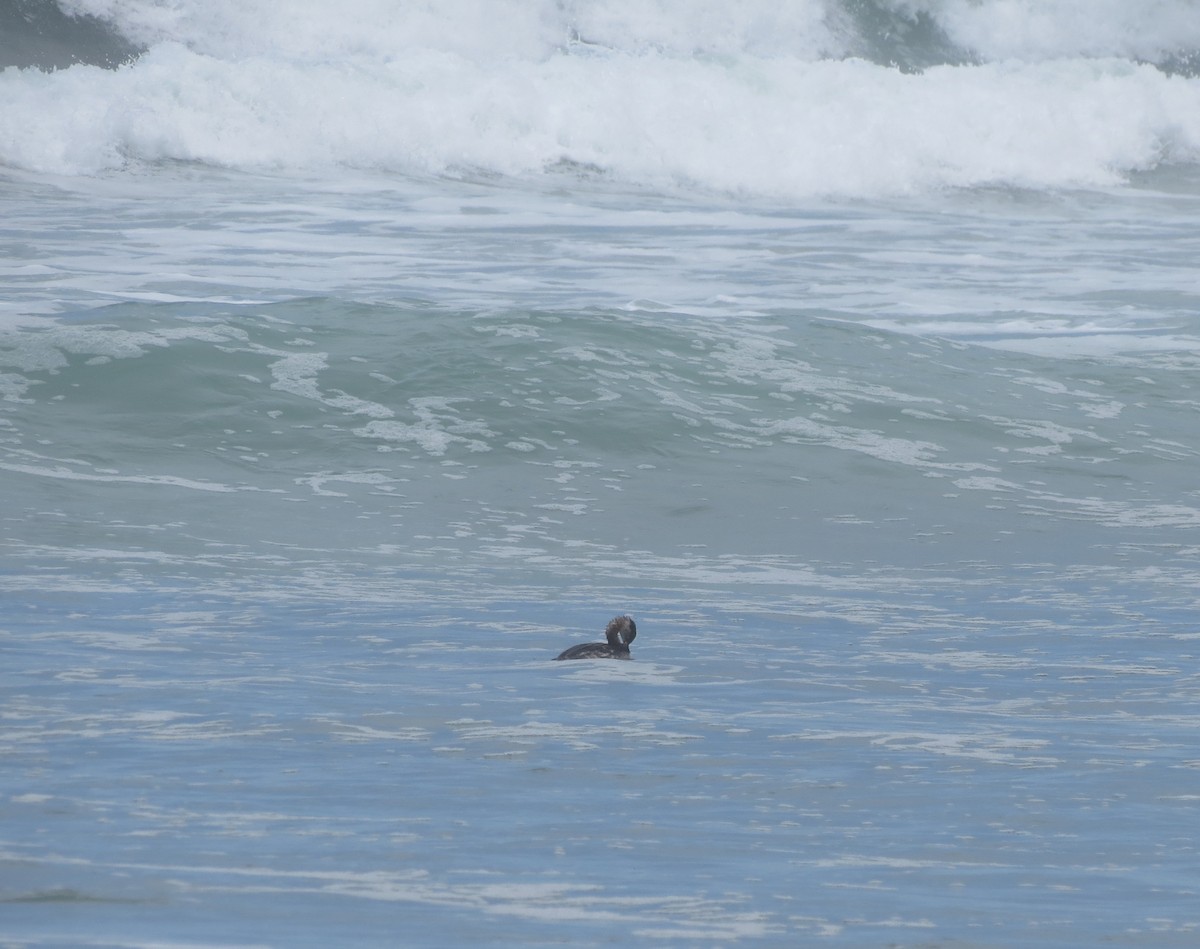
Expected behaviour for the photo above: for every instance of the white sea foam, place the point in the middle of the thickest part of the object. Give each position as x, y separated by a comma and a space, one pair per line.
1057, 337
297, 373
758, 98
1051, 29
717, 919
994, 748
438, 426
69, 471
320, 479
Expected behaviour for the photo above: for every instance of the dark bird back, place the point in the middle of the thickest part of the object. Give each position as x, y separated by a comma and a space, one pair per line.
620, 633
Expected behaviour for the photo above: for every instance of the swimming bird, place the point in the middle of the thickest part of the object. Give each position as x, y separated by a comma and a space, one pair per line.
620, 633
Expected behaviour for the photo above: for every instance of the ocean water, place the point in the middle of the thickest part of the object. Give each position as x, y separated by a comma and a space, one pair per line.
357, 359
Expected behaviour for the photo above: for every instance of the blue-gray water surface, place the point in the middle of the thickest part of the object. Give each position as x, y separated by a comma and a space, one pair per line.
305, 486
